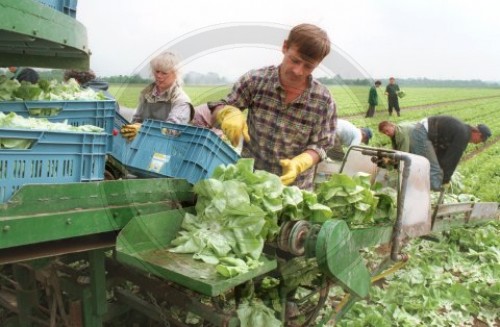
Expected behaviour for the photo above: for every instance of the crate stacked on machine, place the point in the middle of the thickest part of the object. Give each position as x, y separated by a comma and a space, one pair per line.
49, 157
55, 157
68, 7
163, 149
100, 113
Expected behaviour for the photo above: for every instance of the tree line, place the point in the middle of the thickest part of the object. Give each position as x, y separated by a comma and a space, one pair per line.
211, 78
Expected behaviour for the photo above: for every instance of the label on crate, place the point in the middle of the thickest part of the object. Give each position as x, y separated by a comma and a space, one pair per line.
158, 161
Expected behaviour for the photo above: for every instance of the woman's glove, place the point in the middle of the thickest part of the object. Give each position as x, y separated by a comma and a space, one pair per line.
130, 131
233, 124
294, 167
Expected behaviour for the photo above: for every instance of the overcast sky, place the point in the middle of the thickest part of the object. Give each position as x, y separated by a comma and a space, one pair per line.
457, 39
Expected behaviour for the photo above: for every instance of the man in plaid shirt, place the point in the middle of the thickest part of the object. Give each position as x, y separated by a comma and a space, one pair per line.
291, 116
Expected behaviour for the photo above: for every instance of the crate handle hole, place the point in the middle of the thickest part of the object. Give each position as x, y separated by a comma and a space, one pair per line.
8, 143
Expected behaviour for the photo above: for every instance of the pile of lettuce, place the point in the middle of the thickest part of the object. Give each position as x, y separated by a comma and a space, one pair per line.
238, 209
356, 201
13, 121
13, 90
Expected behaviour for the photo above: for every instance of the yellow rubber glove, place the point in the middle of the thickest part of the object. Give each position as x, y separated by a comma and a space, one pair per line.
294, 167
130, 131
233, 124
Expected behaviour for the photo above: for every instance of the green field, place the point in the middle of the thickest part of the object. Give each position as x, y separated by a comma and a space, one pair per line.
351, 100
128, 94
474, 105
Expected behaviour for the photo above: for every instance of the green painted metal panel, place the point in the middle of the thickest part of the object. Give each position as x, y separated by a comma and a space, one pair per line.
41, 213
53, 198
338, 256
32, 34
144, 243
366, 237
98, 284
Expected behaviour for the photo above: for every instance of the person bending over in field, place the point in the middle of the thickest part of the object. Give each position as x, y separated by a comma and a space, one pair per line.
164, 99
291, 116
346, 135
440, 139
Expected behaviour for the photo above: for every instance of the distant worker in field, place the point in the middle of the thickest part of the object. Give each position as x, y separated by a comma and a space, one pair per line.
24, 74
391, 91
291, 116
441, 139
346, 135
372, 99
164, 99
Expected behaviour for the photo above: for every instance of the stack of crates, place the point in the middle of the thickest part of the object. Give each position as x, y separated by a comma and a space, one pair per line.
68, 7
52, 156
164, 149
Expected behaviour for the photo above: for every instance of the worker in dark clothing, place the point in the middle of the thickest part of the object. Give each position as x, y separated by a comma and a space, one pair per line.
391, 90
440, 139
87, 79
449, 137
372, 99
24, 74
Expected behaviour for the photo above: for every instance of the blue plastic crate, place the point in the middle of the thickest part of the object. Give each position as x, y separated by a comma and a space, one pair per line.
53, 157
121, 147
77, 112
67, 7
172, 150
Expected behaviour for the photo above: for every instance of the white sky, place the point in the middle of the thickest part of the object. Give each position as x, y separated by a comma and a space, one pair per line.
454, 39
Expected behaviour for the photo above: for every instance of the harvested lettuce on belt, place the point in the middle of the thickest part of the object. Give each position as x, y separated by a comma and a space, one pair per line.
238, 209
356, 201
227, 230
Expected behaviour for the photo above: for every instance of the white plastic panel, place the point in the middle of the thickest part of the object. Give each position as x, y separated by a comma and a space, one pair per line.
416, 203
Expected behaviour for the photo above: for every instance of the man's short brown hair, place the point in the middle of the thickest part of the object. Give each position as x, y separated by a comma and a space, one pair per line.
383, 124
312, 42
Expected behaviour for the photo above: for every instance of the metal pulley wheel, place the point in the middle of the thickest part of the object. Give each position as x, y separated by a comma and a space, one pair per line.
293, 235
298, 237
284, 235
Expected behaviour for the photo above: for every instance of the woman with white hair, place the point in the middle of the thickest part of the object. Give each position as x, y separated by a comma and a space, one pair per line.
163, 99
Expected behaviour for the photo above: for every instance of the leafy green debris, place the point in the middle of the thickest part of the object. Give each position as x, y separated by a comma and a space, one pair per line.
12, 90
256, 313
455, 282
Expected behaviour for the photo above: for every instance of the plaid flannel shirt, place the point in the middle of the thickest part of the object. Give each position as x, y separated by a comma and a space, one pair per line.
279, 130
